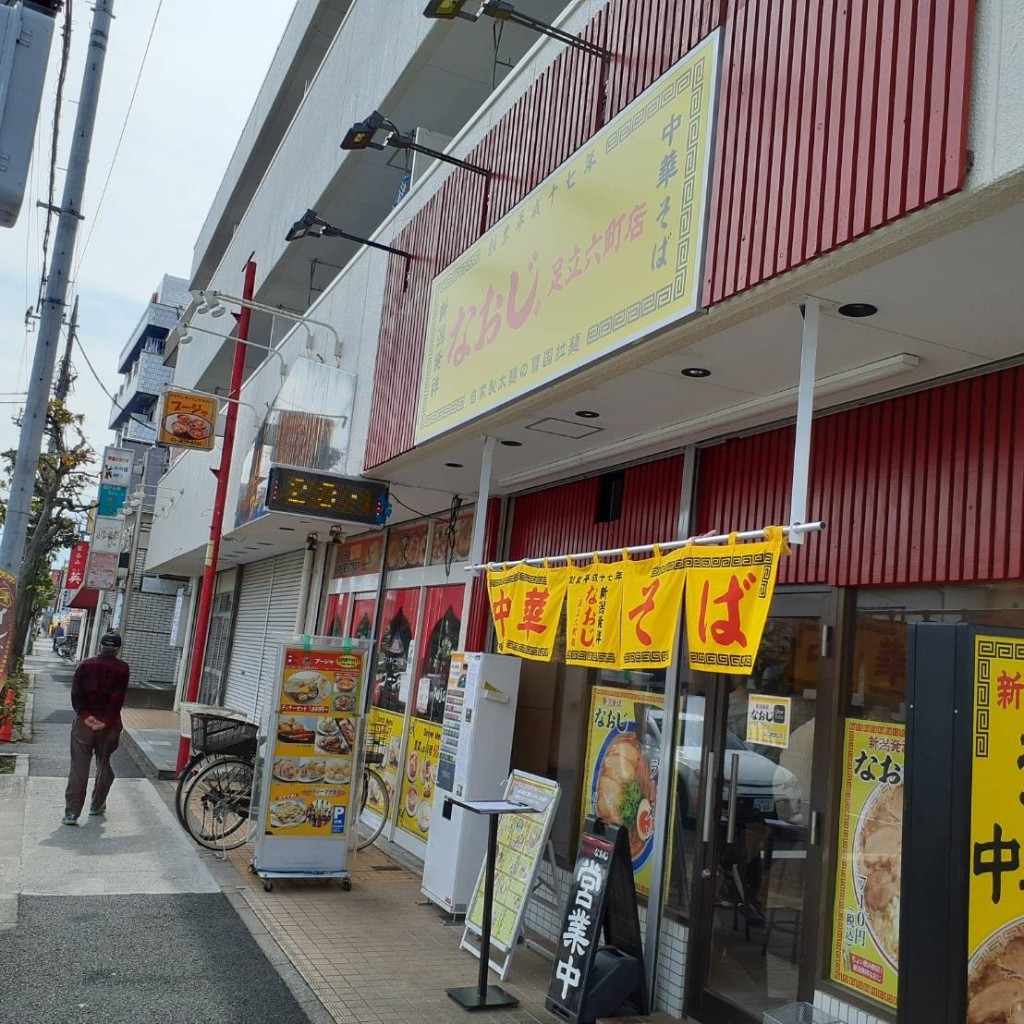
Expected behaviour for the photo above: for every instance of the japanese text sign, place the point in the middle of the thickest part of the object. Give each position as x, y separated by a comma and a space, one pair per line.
603, 252
117, 467
526, 604
187, 420
866, 922
110, 500
593, 610
106, 535
652, 594
728, 593
77, 562
101, 573
995, 940
768, 720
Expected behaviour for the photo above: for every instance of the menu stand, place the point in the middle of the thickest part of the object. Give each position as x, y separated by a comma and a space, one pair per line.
484, 996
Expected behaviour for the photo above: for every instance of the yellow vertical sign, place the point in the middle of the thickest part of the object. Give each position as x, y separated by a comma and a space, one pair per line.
605, 250
593, 609
866, 913
995, 933
526, 604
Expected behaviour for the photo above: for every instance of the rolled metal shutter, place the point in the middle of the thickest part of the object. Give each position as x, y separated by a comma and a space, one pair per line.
284, 606
247, 643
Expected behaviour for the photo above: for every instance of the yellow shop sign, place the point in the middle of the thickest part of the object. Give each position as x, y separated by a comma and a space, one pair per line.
603, 252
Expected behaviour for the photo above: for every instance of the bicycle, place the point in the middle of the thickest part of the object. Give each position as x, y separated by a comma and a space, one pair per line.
66, 649
213, 800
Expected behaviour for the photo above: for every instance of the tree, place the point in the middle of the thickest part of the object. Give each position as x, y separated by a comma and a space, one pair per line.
61, 482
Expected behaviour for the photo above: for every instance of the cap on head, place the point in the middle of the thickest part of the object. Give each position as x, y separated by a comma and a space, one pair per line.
111, 641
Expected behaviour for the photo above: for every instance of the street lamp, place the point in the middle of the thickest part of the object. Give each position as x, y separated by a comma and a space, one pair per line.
360, 136
313, 226
502, 10
186, 338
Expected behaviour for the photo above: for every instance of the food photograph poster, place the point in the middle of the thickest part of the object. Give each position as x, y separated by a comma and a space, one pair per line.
419, 777
995, 920
621, 773
865, 934
314, 743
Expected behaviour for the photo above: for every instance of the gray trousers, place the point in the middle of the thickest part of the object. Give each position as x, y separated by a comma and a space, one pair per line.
85, 743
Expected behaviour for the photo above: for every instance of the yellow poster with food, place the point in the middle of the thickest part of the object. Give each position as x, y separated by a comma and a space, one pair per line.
621, 773
866, 922
314, 743
419, 777
385, 730
995, 929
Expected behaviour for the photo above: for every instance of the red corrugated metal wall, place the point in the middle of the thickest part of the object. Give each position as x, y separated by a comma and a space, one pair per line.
479, 609
835, 118
560, 520
920, 489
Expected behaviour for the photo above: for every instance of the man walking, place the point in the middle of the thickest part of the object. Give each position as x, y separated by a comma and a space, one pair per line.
97, 694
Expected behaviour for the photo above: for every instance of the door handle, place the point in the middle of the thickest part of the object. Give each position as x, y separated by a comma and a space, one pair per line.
734, 774
709, 794
815, 829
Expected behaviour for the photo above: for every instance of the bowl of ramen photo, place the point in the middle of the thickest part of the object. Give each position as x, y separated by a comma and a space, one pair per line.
623, 791
877, 858
995, 978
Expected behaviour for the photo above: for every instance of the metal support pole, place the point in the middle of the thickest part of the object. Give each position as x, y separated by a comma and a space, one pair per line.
202, 627
804, 414
476, 546
19, 507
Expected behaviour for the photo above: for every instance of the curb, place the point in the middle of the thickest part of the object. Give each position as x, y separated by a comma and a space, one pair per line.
143, 760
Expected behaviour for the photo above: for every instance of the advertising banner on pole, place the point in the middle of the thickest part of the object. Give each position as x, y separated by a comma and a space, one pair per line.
110, 500
995, 928
606, 250
77, 564
117, 467
106, 535
186, 420
526, 604
866, 918
101, 573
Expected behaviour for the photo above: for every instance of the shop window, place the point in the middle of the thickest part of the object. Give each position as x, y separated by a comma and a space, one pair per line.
610, 489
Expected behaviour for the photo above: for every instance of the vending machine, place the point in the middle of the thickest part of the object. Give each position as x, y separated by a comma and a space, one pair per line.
476, 746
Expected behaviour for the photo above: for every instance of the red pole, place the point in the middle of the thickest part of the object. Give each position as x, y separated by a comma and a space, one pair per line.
223, 475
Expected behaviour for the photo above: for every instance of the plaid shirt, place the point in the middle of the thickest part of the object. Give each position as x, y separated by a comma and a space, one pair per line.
98, 688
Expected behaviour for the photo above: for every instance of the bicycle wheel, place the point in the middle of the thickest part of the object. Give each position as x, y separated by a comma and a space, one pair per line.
185, 779
218, 804
371, 821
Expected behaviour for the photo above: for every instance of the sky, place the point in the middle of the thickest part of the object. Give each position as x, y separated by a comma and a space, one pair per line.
204, 68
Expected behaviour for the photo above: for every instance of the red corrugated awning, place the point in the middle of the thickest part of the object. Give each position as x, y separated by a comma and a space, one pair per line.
85, 597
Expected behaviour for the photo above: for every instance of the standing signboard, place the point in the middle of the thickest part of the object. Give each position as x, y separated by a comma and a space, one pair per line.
995, 920
866, 920
521, 843
312, 755
602, 902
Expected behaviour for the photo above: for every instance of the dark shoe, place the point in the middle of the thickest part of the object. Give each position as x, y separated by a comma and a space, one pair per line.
69, 818
97, 810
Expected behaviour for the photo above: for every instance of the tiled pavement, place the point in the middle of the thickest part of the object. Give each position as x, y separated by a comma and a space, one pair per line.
378, 954
153, 733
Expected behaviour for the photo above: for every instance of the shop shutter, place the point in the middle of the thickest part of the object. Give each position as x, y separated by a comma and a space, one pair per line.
284, 605
249, 637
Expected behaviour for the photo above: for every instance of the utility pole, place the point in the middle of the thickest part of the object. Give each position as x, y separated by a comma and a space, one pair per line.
19, 507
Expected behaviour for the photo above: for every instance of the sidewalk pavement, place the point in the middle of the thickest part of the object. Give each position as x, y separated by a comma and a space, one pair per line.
379, 954
152, 735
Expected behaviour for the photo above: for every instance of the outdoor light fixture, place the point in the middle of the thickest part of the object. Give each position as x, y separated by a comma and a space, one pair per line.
502, 10
312, 226
209, 303
360, 136
587, 414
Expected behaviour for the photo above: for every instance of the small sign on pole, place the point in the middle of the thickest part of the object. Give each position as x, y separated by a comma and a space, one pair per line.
187, 420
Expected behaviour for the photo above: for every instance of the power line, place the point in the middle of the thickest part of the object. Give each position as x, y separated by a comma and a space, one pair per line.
103, 387
120, 139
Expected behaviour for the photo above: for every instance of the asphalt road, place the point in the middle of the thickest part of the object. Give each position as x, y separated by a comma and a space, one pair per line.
140, 953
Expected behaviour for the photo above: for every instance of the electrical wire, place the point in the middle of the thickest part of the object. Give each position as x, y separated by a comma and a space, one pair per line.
103, 387
120, 139
398, 501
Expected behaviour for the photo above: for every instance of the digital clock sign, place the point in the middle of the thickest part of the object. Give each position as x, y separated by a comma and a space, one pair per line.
305, 492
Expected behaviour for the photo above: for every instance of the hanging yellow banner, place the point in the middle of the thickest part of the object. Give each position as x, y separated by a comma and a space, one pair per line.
729, 590
652, 594
592, 613
526, 604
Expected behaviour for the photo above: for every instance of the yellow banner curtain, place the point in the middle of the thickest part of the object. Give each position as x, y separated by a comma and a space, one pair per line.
526, 604
593, 614
652, 595
728, 593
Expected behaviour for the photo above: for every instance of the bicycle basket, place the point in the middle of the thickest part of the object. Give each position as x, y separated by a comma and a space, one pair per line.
213, 734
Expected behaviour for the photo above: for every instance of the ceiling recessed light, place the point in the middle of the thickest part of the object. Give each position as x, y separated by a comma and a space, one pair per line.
587, 414
289, 529
858, 309
512, 444
695, 372
454, 465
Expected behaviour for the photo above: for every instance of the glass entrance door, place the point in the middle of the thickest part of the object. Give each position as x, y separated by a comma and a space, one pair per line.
755, 919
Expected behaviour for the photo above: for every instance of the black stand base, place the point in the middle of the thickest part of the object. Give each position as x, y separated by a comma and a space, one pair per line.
493, 998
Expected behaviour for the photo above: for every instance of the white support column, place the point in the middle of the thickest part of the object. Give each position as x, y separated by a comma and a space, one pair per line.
804, 414
476, 547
